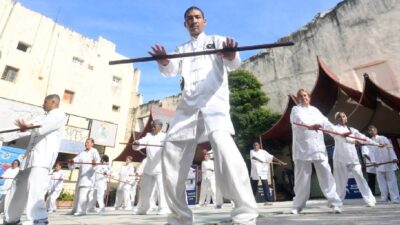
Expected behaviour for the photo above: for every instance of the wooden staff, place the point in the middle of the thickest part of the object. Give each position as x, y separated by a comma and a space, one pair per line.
112, 178
206, 52
147, 145
18, 129
378, 164
83, 163
330, 132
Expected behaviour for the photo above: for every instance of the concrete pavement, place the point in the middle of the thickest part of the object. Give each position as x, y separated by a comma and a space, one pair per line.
316, 212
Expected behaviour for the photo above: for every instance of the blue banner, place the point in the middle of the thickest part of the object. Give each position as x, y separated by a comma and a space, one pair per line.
7, 155
352, 190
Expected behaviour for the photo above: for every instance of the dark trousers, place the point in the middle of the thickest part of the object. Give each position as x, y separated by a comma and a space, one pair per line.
371, 181
267, 194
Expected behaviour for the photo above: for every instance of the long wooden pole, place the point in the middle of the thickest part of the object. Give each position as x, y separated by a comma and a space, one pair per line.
18, 129
206, 52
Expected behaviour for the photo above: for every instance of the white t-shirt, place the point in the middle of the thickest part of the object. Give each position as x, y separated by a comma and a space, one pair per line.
260, 169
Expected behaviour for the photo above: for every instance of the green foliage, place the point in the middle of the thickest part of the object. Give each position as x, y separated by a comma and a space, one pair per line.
248, 116
66, 196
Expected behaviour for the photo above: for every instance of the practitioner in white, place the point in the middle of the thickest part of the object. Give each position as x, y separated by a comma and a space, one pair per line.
346, 161
208, 188
55, 187
30, 185
309, 148
385, 173
260, 165
86, 161
203, 114
126, 175
103, 171
152, 173
8, 177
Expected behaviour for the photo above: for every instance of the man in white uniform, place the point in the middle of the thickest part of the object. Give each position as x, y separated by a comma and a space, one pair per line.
208, 188
260, 166
55, 187
203, 114
345, 160
386, 173
86, 160
30, 185
309, 148
126, 179
103, 171
152, 173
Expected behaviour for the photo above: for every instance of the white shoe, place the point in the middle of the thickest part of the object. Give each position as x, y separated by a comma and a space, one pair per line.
337, 209
92, 210
79, 213
370, 204
294, 211
101, 210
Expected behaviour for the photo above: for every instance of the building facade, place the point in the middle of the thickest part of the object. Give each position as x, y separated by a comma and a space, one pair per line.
40, 57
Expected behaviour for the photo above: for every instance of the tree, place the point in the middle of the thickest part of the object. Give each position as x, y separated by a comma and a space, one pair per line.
249, 118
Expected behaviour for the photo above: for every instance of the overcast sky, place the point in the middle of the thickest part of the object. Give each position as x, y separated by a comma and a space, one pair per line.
135, 25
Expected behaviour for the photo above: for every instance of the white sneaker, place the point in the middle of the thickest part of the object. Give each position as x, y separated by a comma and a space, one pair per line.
101, 210
79, 213
370, 204
337, 209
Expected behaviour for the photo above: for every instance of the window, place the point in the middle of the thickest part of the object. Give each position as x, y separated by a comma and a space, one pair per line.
68, 96
77, 60
23, 47
90, 67
116, 81
10, 74
115, 108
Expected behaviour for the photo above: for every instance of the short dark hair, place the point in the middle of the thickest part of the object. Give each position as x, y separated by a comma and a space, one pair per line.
18, 162
105, 158
191, 8
91, 140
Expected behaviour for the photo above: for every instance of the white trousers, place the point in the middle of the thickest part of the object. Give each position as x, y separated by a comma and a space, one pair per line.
341, 173
27, 191
302, 182
85, 196
123, 197
51, 200
230, 171
207, 191
387, 182
133, 195
98, 197
146, 190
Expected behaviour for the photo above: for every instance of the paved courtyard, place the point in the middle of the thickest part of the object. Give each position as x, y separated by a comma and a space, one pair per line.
317, 212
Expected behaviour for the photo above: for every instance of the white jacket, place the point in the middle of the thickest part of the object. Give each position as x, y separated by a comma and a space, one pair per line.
45, 141
381, 155
87, 171
153, 154
205, 88
345, 150
259, 169
308, 144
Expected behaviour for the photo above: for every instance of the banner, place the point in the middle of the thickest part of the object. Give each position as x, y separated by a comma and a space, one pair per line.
7, 155
103, 133
190, 183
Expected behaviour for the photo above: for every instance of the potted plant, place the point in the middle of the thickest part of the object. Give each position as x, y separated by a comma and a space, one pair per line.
65, 200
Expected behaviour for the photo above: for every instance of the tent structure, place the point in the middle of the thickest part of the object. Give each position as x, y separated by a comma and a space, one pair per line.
373, 105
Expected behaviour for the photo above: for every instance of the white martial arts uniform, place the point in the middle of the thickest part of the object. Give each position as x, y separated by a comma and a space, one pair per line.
123, 197
309, 148
203, 114
8, 176
100, 186
208, 188
30, 185
55, 188
152, 173
345, 161
385, 174
86, 179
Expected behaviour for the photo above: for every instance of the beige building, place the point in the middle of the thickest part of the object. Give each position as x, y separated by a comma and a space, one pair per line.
40, 57
355, 37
